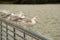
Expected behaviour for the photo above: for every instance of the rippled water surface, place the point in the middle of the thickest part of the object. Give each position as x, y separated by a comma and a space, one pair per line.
48, 17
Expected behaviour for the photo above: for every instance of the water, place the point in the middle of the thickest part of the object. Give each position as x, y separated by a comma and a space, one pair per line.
48, 17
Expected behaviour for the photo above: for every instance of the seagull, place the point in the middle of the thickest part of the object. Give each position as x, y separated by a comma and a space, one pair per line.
20, 17
12, 16
30, 22
4, 14
17, 18
1, 13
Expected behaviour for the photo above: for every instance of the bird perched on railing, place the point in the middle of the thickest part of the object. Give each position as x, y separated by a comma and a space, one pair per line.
30, 22
17, 18
21, 16
4, 14
12, 17
1, 13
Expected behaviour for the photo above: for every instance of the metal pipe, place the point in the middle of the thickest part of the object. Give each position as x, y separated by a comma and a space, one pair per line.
1, 30
29, 33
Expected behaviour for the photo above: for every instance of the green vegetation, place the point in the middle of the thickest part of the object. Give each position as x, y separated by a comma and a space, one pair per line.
29, 1
6, 2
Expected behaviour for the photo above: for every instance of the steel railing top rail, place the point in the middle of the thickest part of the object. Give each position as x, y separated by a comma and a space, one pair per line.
30, 33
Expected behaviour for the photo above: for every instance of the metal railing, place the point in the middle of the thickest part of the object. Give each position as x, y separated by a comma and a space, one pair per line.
7, 33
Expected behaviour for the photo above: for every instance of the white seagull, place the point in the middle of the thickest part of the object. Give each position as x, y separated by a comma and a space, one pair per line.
21, 15
30, 22
4, 14
16, 18
12, 16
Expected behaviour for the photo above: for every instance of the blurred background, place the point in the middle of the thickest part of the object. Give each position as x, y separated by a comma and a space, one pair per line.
29, 1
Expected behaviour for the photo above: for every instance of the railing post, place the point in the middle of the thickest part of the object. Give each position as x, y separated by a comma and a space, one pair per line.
24, 36
6, 31
14, 34
0, 29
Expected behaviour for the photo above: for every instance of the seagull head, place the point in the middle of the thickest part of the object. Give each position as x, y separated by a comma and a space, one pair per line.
34, 18
12, 14
21, 15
